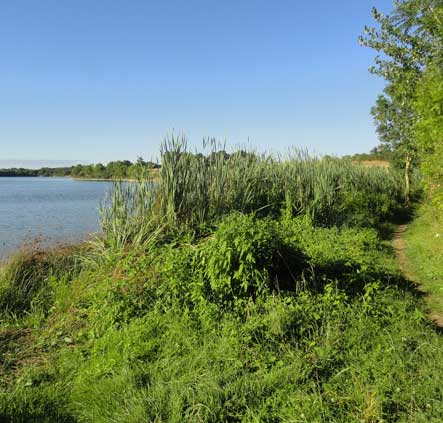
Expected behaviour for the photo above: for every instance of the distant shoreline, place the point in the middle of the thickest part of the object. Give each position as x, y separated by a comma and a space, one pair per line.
76, 178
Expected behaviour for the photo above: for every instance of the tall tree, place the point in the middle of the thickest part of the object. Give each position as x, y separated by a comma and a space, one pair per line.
406, 41
429, 130
395, 119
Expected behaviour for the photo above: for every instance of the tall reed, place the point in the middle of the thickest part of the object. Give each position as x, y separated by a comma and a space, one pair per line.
195, 189
127, 215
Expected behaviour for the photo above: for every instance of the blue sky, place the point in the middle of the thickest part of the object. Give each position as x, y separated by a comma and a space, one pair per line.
103, 80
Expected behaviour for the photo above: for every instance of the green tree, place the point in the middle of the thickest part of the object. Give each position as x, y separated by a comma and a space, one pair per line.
395, 121
76, 170
406, 41
118, 169
99, 171
429, 130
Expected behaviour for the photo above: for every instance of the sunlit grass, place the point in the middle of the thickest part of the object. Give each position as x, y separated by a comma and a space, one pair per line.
424, 252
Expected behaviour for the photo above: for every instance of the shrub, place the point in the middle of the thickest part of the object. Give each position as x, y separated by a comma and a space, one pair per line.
244, 258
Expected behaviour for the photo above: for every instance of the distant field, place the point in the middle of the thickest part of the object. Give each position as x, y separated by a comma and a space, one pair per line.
372, 163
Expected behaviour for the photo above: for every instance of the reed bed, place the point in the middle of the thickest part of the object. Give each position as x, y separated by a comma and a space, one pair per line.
197, 189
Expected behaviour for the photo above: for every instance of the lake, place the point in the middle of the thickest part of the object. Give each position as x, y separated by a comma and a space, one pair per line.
53, 209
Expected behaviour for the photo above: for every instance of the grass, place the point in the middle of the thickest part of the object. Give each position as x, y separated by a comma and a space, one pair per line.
424, 252
241, 288
24, 277
166, 336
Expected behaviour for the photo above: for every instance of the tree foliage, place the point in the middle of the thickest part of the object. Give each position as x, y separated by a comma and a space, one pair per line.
121, 169
429, 130
406, 41
44, 171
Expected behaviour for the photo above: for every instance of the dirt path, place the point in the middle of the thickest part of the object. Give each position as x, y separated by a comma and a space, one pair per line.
399, 245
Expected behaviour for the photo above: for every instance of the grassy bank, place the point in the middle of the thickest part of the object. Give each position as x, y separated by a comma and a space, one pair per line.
424, 252
239, 289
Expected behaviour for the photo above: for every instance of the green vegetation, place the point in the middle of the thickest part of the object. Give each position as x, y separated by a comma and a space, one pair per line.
429, 130
409, 118
408, 114
45, 171
424, 253
379, 153
244, 288
122, 169
330, 191
248, 288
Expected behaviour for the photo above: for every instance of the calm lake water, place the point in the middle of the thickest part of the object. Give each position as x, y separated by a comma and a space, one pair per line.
53, 209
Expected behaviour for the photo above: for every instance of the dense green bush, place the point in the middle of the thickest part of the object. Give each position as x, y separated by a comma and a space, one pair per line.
319, 357
243, 257
248, 257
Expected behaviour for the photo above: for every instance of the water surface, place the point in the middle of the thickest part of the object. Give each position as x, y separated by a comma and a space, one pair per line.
54, 209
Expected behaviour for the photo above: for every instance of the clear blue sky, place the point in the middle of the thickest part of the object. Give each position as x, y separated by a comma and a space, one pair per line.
103, 80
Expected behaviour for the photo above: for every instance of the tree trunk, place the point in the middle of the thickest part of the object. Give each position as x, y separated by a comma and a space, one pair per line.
407, 180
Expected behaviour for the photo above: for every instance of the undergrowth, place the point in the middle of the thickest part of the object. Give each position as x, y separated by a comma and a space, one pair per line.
243, 302
424, 253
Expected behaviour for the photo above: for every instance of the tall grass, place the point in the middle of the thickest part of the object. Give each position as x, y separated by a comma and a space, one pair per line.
197, 189
127, 215
26, 276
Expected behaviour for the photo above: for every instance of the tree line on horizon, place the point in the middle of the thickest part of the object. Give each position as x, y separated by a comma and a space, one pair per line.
125, 169
120, 169
380, 152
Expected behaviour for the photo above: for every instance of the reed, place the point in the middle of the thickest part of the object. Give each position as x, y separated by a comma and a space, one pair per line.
127, 216
197, 189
